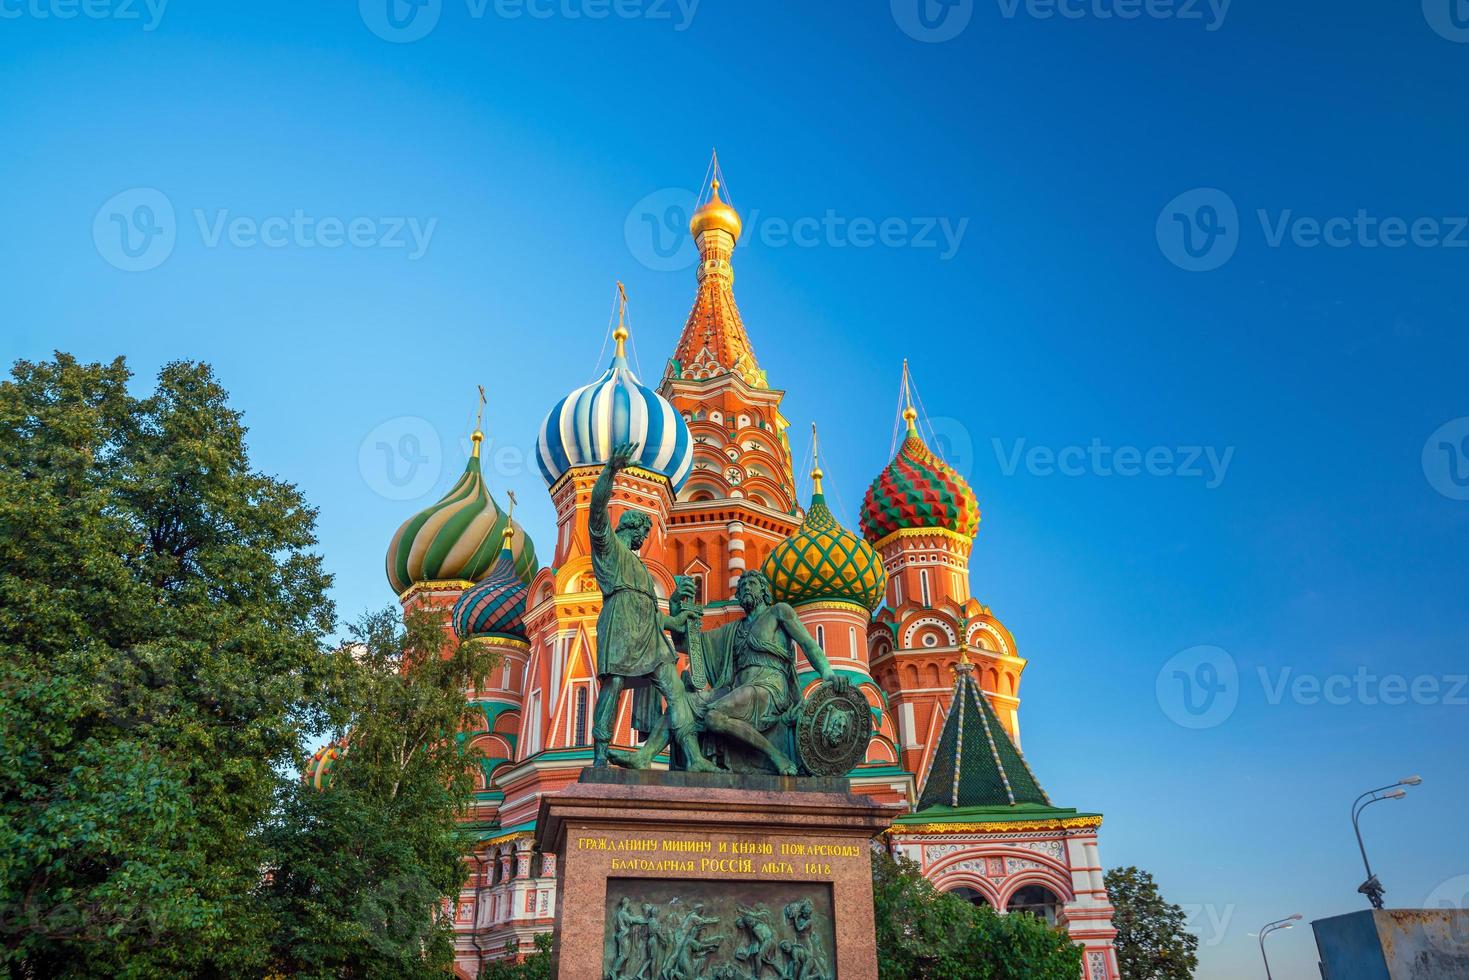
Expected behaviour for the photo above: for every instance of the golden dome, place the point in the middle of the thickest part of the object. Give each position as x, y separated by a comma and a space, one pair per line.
715, 215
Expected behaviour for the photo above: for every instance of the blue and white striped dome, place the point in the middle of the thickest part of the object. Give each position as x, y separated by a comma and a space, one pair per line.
616, 408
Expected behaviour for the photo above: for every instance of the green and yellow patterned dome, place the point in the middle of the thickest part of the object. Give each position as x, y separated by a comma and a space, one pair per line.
459, 537
824, 562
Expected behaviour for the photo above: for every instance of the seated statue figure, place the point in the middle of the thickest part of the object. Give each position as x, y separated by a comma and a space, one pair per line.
743, 681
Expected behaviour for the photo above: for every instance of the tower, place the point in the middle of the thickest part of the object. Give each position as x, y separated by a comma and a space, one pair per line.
985, 830
739, 502
834, 579
921, 516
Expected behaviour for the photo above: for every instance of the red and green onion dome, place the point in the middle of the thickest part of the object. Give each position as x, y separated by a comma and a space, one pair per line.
458, 538
318, 771
496, 606
918, 490
824, 562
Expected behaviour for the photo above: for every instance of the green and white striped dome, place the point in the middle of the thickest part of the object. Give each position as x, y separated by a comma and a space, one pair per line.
459, 537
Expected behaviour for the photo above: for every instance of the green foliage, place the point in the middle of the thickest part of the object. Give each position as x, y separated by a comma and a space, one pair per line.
160, 626
163, 659
536, 966
362, 867
924, 933
1151, 943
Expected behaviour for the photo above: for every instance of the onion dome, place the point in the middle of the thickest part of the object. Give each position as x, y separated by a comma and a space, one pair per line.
715, 215
584, 426
317, 773
823, 561
918, 490
496, 606
459, 537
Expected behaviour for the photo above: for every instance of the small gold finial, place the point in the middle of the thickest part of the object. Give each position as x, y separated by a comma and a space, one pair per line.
910, 414
964, 663
715, 213
478, 435
509, 531
620, 334
816, 473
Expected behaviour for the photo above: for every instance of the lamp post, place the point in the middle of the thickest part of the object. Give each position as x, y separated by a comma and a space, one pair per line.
1275, 926
1372, 888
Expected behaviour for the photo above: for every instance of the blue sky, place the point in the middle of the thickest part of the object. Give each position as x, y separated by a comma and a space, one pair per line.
365, 226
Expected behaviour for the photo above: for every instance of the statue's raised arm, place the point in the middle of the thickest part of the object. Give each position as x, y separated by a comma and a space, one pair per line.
599, 521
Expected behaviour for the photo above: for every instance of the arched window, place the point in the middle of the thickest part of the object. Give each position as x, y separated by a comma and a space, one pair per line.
821, 637
581, 715
969, 895
1038, 900
923, 584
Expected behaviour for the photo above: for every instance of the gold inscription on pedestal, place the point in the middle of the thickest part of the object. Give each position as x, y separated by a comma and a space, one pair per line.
728, 857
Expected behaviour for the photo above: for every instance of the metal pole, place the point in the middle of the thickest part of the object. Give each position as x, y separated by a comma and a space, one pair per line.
1372, 888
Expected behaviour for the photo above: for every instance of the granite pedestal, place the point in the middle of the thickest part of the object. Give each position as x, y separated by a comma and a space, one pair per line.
686, 875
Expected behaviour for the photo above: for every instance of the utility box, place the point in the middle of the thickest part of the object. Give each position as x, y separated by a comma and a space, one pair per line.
1394, 944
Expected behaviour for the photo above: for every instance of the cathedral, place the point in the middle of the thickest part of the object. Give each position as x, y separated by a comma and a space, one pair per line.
889, 602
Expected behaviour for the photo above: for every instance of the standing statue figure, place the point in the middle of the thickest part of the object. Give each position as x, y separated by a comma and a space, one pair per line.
759, 952
623, 921
632, 649
653, 942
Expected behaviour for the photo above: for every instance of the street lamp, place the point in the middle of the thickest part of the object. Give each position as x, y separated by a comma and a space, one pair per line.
1275, 926
1372, 888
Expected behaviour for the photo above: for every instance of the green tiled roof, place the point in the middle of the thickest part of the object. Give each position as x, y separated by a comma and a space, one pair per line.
976, 764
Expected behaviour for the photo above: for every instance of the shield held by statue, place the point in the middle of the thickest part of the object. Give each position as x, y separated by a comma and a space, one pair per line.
832, 730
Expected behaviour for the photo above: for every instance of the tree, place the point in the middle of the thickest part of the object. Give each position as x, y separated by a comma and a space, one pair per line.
1151, 942
362, 868
536, 966
924, 933
161, 621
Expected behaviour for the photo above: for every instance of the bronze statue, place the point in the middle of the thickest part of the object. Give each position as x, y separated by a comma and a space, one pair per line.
632, 649
739, 706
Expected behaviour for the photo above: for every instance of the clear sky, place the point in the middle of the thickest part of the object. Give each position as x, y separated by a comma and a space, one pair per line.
358, 217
